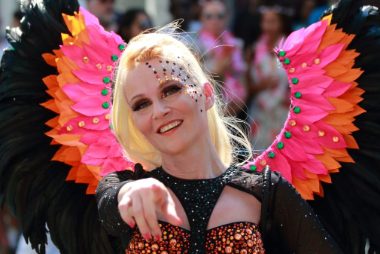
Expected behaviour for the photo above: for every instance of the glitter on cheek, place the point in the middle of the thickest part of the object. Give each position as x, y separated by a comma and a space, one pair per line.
194, 92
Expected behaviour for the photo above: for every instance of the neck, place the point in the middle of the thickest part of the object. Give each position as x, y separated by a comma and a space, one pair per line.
199, 161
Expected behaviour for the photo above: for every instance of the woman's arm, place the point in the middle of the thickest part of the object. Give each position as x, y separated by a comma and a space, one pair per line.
107, 200
126, 199
294, 223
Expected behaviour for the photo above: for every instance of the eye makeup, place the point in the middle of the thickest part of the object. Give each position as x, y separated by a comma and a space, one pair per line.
167, 89
171, 71
140, 104
171, 89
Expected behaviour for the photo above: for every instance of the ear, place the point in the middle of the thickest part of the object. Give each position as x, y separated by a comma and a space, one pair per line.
209, 93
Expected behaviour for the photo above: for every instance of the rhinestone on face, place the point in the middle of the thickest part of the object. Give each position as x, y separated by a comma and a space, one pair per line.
335, 139
321, 133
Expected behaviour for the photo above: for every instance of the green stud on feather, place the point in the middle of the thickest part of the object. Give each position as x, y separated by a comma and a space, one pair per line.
282, 53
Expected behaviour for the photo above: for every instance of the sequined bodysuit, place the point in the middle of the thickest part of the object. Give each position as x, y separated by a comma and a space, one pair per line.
287, 223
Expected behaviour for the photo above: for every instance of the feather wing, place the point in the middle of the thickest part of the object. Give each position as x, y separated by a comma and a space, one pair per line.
54, 96
328, 147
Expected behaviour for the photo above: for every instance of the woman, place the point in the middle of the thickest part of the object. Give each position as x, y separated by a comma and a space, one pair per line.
133, 22
223, 54
182, 203
267, 82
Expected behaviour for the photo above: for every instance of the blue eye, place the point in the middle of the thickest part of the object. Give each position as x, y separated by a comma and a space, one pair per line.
172, 89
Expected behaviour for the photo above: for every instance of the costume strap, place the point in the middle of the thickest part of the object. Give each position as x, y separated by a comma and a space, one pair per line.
266, 191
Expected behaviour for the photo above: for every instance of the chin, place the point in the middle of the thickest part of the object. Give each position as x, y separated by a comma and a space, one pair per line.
174, 148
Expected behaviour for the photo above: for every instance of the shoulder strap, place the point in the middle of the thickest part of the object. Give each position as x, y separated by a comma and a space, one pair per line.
265, 201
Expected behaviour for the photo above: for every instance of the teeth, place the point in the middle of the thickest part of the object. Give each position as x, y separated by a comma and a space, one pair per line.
169, 126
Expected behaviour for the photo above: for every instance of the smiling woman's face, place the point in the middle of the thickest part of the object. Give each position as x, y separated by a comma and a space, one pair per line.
169, 113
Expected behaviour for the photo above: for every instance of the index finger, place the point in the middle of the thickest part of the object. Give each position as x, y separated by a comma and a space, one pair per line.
168, 210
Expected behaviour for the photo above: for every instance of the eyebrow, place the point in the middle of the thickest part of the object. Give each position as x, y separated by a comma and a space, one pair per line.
165, 82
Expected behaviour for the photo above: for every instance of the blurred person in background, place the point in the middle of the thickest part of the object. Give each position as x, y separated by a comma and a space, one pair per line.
246, 23
266, 81
8, 232
3, 42
319, 7
302, 15
188, 11
195, 24
17, 15
104, 11
133, 22
222, 54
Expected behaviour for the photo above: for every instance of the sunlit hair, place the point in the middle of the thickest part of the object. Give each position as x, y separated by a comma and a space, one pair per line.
166, 44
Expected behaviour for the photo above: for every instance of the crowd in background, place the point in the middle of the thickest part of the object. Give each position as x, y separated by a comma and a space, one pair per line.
236, 47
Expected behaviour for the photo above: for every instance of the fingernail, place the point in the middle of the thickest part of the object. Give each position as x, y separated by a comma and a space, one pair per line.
147, 236
157, 237
131, 224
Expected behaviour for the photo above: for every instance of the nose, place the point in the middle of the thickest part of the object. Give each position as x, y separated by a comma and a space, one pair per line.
160, 110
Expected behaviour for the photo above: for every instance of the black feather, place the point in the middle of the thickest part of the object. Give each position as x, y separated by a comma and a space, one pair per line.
350, 208
32, 185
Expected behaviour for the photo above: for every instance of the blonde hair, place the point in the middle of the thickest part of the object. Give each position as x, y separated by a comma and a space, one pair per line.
226, 136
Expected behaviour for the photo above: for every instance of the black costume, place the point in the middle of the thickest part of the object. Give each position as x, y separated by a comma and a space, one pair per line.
288, 223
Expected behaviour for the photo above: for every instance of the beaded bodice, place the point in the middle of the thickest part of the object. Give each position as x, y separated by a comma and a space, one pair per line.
238, 237
198, 198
